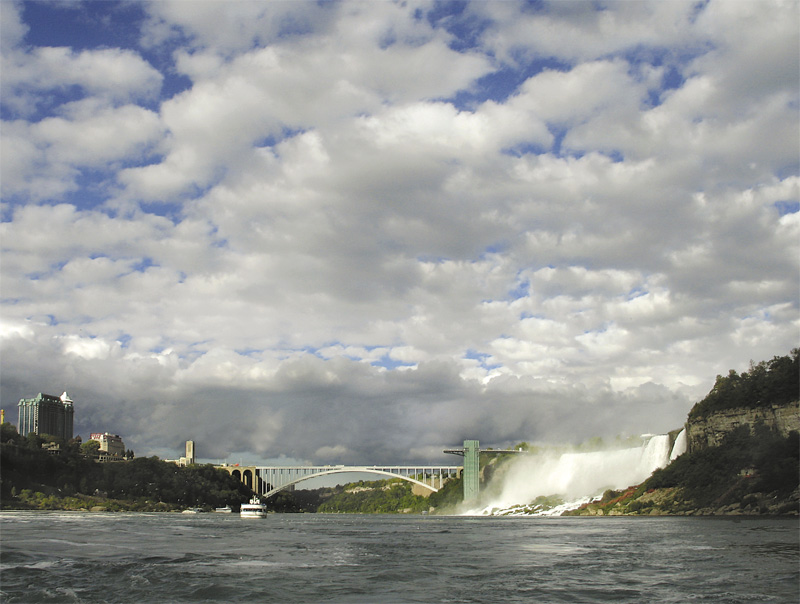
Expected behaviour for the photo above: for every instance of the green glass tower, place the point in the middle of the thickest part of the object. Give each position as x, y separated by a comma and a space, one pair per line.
46, 414
472, 470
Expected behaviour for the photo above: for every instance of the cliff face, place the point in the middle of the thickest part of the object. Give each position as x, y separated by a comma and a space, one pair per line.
725, 472
709, 431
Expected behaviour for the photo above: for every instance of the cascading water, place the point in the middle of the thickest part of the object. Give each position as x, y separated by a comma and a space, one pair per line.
680, 446
576, 478
655, 455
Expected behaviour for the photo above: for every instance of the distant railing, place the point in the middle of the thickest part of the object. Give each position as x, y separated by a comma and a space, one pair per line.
269, 480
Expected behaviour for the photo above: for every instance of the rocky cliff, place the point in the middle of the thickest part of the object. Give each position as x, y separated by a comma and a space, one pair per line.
743, 451
708, 431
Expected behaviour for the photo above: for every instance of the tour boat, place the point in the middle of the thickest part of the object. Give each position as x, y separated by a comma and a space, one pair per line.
254, 509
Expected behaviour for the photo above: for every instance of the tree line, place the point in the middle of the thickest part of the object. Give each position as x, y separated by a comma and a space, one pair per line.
747, 463
390, 497
774, 382
145, 483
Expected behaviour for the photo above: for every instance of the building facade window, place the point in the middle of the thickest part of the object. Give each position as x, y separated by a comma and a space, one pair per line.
46, 414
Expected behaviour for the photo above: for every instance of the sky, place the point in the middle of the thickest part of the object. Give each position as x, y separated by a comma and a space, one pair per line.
361, 232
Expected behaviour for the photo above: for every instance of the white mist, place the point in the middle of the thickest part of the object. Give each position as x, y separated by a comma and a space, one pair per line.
579, 477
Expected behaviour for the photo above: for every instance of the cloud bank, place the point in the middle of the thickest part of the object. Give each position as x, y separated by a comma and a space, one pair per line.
363, 232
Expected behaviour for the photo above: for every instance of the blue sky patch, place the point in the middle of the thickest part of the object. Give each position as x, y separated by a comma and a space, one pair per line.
83, 25
482, 358
787, 207
426, 226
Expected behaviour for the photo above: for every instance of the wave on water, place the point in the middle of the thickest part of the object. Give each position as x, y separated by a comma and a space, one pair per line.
550, 484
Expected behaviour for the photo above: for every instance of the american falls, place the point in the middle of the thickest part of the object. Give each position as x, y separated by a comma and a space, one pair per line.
550, 483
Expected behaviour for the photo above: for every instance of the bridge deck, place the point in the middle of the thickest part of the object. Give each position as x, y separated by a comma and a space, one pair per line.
268, 480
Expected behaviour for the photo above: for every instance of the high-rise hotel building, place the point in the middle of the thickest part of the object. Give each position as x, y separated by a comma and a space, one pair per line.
46, 414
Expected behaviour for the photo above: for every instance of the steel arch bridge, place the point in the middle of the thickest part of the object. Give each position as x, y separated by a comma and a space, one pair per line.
266, 481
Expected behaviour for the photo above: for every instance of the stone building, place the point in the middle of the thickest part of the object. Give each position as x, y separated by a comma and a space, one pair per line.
189, 458
110, 444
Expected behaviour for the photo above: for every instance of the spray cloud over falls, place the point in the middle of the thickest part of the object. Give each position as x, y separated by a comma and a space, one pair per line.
577, 477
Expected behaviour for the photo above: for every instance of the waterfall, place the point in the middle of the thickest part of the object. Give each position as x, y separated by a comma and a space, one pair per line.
679, 448
578, 477
655, 454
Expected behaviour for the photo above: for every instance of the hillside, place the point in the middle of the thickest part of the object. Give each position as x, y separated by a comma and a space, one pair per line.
394, 496
744, 452
748, 473
31, 478
768, 384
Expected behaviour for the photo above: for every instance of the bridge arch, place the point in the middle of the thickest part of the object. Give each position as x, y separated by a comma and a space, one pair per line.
268, 481
277, 490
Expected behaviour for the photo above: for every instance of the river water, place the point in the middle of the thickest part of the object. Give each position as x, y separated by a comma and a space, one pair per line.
153, 558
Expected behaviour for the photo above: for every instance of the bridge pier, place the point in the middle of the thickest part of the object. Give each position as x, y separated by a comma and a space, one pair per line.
248, 475
266, 481
471, 478
472, 471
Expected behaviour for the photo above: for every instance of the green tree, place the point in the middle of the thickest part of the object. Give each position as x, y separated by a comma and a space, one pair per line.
90, 448
722, 474
9, 434
33, 441
774, 382
449, 496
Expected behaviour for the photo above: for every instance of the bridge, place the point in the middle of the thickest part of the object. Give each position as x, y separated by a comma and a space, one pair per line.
266, 481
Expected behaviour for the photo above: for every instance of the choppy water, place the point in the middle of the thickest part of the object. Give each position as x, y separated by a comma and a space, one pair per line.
142, 558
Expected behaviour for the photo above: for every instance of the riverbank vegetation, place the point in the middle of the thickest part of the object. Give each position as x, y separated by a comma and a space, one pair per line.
748, 473
754, 469
767, 383
32, 477
376, 497
394, 496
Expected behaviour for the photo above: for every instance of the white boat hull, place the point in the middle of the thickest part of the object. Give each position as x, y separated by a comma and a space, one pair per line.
254, 509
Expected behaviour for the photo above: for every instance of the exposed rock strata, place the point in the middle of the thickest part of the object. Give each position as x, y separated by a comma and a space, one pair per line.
706, 433
709, 431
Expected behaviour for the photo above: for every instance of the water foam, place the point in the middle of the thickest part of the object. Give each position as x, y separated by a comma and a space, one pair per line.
576, 478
